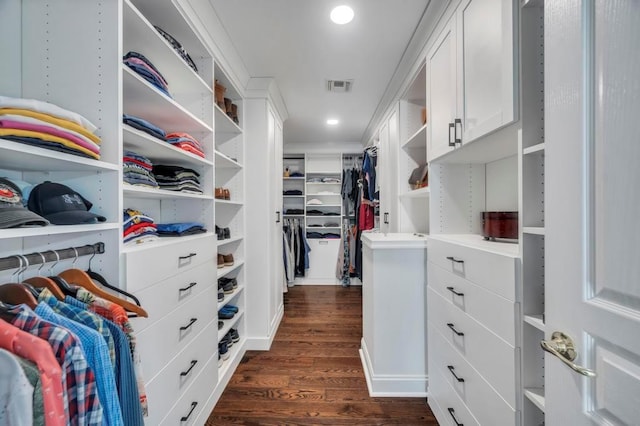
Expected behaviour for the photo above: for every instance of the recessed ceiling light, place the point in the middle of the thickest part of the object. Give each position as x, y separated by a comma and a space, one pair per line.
342, 15
332, 122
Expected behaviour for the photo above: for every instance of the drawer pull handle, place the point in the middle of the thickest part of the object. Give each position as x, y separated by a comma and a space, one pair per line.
189, 287
193, 364
452, 327
453, 259
186, 327
189, 256
452, 412
452, 290
193, 407
451, 368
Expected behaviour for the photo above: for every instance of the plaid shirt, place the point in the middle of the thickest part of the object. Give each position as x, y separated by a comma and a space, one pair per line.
118, 315
80, 395
89, 319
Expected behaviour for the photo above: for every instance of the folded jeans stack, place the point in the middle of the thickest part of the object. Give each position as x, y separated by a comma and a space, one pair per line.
145, 69
181, 229
138, 227
49, 126
186, 142
177, 178
137, 170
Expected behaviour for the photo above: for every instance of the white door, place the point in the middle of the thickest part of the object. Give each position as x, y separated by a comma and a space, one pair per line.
275, 256
441, 92
592, 154
278, 282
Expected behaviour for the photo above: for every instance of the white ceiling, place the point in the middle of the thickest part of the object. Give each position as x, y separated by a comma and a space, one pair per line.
295, 42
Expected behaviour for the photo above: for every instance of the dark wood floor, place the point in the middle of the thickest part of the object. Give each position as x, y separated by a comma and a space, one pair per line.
313, 375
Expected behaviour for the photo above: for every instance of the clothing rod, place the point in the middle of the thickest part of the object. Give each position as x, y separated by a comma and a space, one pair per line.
13, 262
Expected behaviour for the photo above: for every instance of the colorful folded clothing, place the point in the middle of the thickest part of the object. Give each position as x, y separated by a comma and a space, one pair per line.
144, 125
137, 170
47, 108
145, 69
132, 217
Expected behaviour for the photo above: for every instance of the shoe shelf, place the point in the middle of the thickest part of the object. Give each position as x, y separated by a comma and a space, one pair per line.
229, 202
229, 297
56, 230
418, 139
225, 162
228, 269
229, 324
134, 191
417, 193
536, 396
165, 242
32, 158
294, 178
225, 125
229, 362
222, 243
145, 101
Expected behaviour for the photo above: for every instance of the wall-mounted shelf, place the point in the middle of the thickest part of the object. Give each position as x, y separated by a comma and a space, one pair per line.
418, 139
417, 193
534, 230
536, 396
56, 230
160, 194
225, 162
533, 149
535, 321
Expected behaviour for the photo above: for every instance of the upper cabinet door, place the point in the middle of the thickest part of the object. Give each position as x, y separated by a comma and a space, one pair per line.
441, 92
487, 71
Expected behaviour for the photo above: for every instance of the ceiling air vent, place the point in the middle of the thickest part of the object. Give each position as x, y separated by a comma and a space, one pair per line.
339, 86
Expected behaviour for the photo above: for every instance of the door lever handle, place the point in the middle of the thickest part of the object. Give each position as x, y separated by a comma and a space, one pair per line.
562, 347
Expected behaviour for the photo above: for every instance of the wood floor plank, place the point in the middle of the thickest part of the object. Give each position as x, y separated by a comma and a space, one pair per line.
313, 374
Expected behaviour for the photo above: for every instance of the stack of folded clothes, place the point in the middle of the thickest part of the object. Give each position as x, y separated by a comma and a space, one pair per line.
137, 170
138, 227
176, 178
180, 229
177, 47
185, 142
144, 126
49, 126
145, 69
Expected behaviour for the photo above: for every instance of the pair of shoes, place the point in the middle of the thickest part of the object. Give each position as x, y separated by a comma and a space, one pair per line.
223, 233
227, 340
221, 294
222, 194
227, 260
223, 351
219, 92
230, 308
225, 314
235, 336
225, 280
225, 286
220, 324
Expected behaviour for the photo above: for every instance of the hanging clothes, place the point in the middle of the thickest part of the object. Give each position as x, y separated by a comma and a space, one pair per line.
296, 252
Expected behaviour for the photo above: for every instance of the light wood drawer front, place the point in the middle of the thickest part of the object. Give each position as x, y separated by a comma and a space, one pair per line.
495, 272
198, 393
161, 341
445, 398
146, 267
167, 295
482, 400
181, 373
491, 356
494, 312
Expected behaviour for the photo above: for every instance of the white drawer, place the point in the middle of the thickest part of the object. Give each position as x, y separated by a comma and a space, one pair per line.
194, 399
494, 358
162, 340
178, 375
167, 295
494, 312
446, 403
481, 399
148, 266
493, 271
323, 258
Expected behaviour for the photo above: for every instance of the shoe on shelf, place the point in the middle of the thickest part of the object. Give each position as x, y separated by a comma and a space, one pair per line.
227, 259
225, 315
219, 233
220, 324
233, 281
235, 336
226, 194
227, 106
220, 261
219, 92
234, 113
231, 308
220, 361
226, 287
223, 351
226, 234
219, 193
227, 340
220, 294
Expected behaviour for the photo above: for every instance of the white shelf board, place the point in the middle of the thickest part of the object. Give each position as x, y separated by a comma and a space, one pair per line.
293, 178
224, 123
324, 205
56, 230
294, 215
224, 162
324, 227
532, 3
229, 324
141, 36
165, 241
535, 321
23, 157
143, 100
533, 149
535, 230
418, 139
478, 242
222, 243
228, 203
486, 149
293, 196
323, 183
417, 193
229, 297
536, 396
324, 172
134, 191
228, 269
158, 150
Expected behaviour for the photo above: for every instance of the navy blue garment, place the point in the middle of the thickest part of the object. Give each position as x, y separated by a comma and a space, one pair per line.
140, 56
144, 125
180, 228
54, 146
144, 73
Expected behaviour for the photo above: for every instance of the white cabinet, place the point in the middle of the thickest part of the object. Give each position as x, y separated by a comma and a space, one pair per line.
472, 74
264, 203
394, 314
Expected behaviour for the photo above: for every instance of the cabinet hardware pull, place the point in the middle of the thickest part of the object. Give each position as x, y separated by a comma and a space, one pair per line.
278, 217
452, 290
457, 122
193, 364
190, 255
452, 140
190, 286
451, 368
186, 327
386, 218
452, 327
453, 259
453, 416
193, 407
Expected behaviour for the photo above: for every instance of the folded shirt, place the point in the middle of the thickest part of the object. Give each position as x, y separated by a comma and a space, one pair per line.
144, 125
133, 54
179, 229
292, 192
314, 202
47, 108
49, 138
58, 124
53, 146
50, 130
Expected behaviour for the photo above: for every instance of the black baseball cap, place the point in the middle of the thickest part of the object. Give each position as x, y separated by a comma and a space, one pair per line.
12, 212
61, 205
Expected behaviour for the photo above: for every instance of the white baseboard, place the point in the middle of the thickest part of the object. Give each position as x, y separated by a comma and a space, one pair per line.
264, 343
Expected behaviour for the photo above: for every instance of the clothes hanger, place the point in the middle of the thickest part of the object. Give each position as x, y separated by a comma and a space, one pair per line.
60, 282
82, 279
103, 281
17, 294
44, 282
